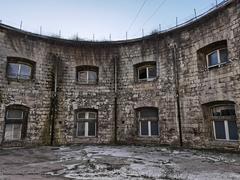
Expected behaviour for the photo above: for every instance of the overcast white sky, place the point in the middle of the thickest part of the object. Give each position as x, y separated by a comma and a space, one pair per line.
98, 17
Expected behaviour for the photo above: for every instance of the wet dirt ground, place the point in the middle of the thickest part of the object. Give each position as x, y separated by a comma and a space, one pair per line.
116, 162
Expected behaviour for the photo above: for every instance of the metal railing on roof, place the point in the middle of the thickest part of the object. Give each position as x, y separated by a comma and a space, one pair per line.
159, 31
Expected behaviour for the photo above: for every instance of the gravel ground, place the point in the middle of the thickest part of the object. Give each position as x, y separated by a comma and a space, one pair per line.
116, 162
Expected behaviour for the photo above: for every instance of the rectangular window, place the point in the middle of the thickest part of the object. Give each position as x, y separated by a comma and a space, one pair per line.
217, 57
154, 128
145, 71
226, 130
19, 71
86, 123
213, 58
233, 130
220, 130
13, 132
92, 77
142, 73
224, 122
144, 128
80, 128
14, 114
15, 123
148, 122
87, 75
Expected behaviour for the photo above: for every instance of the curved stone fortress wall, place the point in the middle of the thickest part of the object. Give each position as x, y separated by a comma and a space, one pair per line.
184, 94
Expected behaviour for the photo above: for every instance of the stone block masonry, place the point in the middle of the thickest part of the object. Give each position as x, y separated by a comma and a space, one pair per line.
177, 88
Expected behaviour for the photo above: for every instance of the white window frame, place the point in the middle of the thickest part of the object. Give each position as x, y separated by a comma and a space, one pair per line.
86, 124
19, 70
226, 127
147, 72
218, 58
149, 126
87, 80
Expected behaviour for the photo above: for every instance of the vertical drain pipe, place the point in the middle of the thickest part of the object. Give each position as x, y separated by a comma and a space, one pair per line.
176, 72
115, 99
54, 96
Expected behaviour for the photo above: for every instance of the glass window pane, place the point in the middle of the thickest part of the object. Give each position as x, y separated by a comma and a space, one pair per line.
8, 132
149, 113
82, 77
92, 77
152, 72
223, 55
154, 128
144, 128
81, 115
13, 132
216, 114
14, 114
13, 70
142, 73
233, 130
220, 130
17, 128
228, 112
213, 59
92, 115
80, 128
223, 110
25, 71
91, 128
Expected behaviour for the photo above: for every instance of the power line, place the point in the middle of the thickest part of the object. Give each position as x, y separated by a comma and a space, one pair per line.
154, 12
137, 15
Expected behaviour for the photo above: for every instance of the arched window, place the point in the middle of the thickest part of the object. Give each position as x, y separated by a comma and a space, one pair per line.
87, 74
148, 121
213, 55
86, 123
15, 122
20, 68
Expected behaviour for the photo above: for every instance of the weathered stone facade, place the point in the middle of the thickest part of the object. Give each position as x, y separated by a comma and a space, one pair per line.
181, 91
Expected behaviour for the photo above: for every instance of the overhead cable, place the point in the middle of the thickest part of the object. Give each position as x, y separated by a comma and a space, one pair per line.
156, 10
139, 11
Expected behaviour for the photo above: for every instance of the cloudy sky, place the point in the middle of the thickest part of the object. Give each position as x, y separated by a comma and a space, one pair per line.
99, 18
